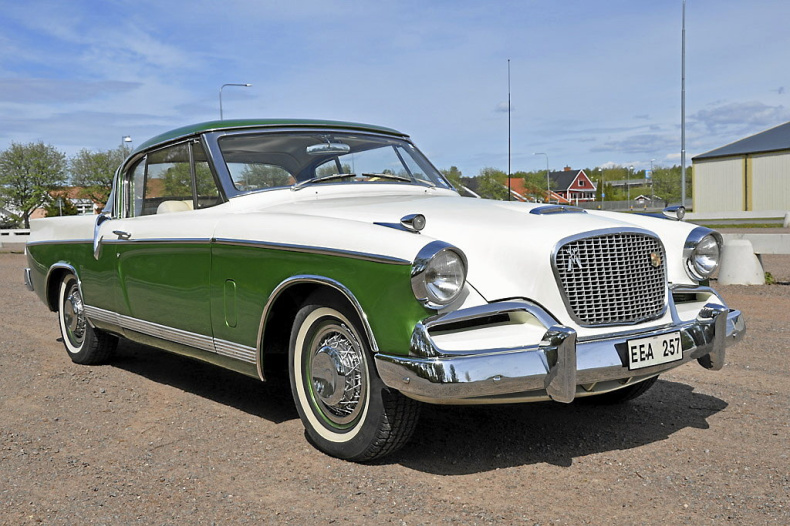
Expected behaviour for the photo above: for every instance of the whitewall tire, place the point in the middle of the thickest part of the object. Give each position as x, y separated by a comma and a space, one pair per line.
345, 408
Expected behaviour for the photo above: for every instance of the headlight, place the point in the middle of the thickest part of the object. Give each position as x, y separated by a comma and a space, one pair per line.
702, 253
438, 274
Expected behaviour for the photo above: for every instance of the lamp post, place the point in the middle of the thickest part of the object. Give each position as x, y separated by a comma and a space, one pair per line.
628, 184
548, 180
220, 95
652, 185
603, 188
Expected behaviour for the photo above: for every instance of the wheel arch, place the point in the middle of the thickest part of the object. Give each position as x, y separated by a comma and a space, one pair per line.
285, 301
52, 282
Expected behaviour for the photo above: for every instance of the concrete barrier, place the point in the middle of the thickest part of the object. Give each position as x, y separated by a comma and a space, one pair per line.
779, 217
740, 265
14, 235
741, 261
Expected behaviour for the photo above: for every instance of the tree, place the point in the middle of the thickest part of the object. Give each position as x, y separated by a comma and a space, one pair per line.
667, 184
454, 176
28, 173
94, 172
256, 176
493, 184
60, 205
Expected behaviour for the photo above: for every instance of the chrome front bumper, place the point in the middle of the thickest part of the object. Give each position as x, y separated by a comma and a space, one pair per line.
559, 368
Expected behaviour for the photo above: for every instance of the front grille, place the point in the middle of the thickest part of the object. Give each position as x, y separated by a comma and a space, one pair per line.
613, 278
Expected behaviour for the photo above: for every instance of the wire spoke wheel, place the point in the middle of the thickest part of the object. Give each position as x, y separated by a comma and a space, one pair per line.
337, 376
345, 408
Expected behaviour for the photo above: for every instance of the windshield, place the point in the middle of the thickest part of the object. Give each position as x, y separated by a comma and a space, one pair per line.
275, 160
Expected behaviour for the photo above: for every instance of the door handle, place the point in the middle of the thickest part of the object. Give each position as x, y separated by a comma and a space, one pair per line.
121, 234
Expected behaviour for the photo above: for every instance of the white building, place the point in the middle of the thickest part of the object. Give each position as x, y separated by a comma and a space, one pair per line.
752, 174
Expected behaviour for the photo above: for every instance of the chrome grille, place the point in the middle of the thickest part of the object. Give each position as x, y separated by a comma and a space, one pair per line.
613, 278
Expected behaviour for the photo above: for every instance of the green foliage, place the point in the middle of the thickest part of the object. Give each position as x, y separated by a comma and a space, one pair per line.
94, 172
64, 208
492, 184
454, 176
28, 172
267, 176
177, 181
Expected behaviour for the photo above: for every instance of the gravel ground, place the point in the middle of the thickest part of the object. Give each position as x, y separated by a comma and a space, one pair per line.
157, 439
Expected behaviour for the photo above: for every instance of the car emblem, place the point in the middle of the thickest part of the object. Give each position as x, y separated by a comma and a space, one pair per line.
574, 260
655, 259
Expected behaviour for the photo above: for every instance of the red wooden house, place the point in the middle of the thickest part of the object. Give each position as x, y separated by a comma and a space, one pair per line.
572, 185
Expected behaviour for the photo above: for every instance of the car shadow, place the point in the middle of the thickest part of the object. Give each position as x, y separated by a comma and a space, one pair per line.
458, 440
271, 401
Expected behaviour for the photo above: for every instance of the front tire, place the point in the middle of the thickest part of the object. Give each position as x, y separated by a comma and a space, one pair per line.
84, 344
346, 409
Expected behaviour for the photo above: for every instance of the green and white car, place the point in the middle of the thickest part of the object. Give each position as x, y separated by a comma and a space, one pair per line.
336, 254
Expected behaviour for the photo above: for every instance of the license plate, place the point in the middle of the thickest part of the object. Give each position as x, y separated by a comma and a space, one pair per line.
654, 350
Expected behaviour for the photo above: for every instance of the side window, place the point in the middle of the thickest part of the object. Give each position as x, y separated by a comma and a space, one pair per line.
168, 181
136, 185
163, 182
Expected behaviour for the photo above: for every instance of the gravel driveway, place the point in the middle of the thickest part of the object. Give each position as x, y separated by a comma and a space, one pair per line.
158, 439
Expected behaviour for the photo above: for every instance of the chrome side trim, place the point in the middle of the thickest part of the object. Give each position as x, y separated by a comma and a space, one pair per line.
198, 341
376, 258
308, 278
59, 242
241, 352
28, 279
122, 239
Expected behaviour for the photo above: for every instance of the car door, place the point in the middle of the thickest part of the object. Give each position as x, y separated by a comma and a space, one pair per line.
161, 246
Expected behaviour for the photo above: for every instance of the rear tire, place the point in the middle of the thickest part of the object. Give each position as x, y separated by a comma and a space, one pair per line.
621, 395
346, 409
84, 344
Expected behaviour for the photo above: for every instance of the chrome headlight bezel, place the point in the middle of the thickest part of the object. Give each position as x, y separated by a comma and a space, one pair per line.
428, 279
702, 253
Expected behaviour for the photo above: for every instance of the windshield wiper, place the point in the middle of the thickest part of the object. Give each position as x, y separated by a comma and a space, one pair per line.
390, 176
330, 177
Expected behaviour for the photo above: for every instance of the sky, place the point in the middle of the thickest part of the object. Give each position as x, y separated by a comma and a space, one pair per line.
591, 82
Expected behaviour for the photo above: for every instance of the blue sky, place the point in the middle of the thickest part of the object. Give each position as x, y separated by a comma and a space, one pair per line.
592, 82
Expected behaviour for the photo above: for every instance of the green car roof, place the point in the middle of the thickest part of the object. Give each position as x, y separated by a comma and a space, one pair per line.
194, 129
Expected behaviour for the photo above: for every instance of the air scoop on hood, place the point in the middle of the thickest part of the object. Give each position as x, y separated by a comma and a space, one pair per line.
557, 209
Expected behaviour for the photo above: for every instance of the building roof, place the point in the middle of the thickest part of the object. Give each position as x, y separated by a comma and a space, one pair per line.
775, 139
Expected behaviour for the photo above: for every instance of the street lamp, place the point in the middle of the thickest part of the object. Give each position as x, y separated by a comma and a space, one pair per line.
220, 95
628, 184
652, 184
548, 180
603, 191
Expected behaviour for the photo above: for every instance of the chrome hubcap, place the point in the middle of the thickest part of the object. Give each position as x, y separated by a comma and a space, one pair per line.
74, 316
336, 374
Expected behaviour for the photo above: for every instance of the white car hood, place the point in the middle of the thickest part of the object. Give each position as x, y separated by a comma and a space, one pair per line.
508, 248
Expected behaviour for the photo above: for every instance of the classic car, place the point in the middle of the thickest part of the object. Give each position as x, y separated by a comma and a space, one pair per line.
335, 255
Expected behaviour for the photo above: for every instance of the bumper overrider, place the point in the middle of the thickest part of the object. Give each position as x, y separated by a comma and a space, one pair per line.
561, 367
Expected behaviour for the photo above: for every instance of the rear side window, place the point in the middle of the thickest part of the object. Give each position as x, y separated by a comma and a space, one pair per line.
174, 179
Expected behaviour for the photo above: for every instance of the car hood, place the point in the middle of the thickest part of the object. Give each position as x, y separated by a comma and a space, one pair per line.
508, 246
